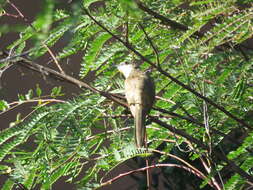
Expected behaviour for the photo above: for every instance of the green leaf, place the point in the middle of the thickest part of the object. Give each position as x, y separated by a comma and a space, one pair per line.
21, 47
239, 89
45, 18
21, 132
3, 105
87, 3
224, 75
93, 51
201, 2
2, 3
38, 90
172, 90
56, 91
8, 185
29, 95
2, 65
4, 169
53, 178
29, 181
131, 8
21, 98
60, 14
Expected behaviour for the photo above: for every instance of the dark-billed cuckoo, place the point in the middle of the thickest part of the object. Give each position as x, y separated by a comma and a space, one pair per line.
140, 95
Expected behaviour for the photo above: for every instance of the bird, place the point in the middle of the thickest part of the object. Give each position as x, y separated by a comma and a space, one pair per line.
140, 96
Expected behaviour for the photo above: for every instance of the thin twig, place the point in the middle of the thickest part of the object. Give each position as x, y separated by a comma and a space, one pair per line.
127, 31
179, 159
107, 132
206, 122
148, 172
12, 57
149, 167
152, 45
18, 103
190, 166
213, 180
165, 99
53, 56
179, 132
164, 19
148, 175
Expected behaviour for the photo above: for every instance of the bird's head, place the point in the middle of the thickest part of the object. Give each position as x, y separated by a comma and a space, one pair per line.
126, 68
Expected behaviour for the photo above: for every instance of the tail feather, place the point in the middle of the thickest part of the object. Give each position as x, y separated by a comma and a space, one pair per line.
139, 122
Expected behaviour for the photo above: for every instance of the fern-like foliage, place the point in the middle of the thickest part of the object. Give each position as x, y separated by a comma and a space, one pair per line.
205, 45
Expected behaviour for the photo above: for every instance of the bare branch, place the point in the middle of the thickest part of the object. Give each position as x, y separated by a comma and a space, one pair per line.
15, 104
47, 71
150, 167
164, 19
152, 45
211, 183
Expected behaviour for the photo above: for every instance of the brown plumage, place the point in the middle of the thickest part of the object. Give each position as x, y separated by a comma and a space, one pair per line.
140, 95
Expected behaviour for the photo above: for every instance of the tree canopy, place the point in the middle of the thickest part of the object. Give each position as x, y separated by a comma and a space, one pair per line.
199, 132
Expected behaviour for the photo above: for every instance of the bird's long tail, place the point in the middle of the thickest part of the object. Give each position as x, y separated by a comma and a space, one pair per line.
139, 122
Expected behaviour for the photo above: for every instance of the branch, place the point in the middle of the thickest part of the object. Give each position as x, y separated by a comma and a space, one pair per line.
150, 167
211, 183
15, 104
130, 47
152, 45
47, 71
179, 132
179, 159
13, 57
107, 132
164, 19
